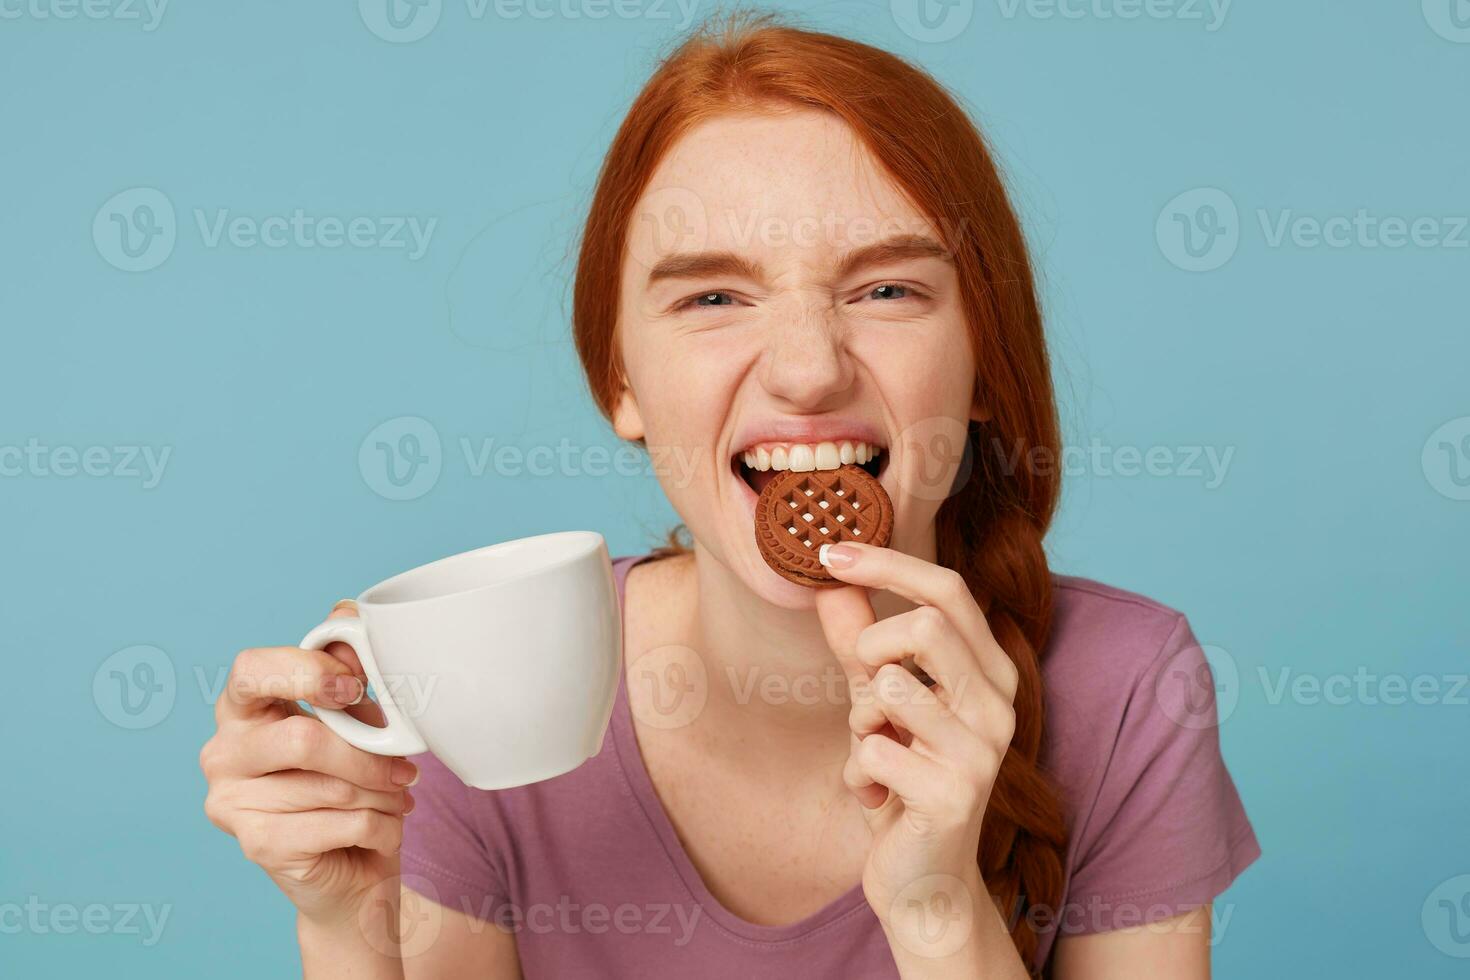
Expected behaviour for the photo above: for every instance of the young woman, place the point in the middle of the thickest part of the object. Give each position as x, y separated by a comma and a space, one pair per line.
799, 254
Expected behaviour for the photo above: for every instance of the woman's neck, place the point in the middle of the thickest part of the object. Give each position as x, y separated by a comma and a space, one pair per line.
772, 682
769, 667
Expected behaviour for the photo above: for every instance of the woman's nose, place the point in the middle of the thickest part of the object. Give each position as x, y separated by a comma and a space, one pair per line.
805, 363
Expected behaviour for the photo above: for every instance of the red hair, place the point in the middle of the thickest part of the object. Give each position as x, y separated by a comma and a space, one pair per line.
991, 529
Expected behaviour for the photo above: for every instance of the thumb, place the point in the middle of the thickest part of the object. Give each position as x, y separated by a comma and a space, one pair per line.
844, 613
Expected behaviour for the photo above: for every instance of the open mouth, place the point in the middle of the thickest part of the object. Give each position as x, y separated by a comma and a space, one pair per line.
758, 465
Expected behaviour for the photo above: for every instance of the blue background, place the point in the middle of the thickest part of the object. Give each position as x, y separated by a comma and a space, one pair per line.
1335, 544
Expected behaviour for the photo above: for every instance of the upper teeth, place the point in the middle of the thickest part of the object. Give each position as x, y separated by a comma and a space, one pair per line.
803, 456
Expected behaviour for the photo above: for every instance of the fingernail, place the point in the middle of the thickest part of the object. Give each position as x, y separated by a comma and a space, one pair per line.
404, 773
408, 804
346, 689
836, 555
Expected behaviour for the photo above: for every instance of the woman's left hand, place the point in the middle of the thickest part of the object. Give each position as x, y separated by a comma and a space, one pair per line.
924, 759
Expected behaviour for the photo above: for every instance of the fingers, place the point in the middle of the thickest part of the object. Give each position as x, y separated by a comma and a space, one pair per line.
345, 609
870, 793
844, 613
880, 761
926, 584
263, 676
274, 840
930, 638
367, 710
298, 790
900, 699
302, 742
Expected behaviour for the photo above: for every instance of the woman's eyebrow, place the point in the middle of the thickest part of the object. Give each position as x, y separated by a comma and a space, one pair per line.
698, 265
894, 249
703, 265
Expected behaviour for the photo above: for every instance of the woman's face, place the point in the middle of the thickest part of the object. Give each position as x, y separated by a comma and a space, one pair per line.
781, 299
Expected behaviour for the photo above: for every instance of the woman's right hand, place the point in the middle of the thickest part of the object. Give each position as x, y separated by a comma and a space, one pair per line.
323, 819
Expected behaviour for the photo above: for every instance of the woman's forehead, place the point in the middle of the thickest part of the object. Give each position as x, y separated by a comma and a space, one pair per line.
763, 181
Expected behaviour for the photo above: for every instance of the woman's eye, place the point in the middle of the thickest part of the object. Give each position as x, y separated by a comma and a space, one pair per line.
889, 290
708, 299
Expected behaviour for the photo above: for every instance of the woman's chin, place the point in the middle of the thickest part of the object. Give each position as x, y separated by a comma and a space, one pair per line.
762, 580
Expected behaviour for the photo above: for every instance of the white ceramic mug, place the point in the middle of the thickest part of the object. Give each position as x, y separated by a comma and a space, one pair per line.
502, 661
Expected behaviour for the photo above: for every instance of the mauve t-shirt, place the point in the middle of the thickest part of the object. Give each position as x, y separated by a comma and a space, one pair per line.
587, 872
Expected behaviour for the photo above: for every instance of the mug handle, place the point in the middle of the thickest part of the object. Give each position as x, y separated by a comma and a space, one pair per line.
398, 737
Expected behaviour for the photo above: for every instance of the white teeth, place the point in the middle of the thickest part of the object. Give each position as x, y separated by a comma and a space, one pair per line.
805, 457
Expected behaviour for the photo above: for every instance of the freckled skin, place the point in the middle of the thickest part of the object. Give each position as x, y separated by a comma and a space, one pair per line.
792, 193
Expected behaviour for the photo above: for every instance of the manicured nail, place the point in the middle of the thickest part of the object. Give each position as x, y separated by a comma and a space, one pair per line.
408, 804
346, 689
404, 773
836, 555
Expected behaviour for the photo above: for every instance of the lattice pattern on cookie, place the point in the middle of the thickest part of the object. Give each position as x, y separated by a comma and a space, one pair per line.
818, 513
797, 513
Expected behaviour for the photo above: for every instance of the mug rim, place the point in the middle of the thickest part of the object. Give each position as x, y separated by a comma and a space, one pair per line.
590, 543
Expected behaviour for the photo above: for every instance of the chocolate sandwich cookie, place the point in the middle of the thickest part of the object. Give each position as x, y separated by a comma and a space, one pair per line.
797, 513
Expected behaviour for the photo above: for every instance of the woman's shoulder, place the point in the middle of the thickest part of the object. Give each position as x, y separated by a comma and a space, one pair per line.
1124, 665
1106, 625
1133, 710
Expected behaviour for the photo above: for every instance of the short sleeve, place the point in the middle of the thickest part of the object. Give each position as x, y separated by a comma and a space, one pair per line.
1167, 832
445, 855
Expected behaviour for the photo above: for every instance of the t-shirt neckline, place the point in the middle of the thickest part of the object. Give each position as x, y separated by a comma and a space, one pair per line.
640, 784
